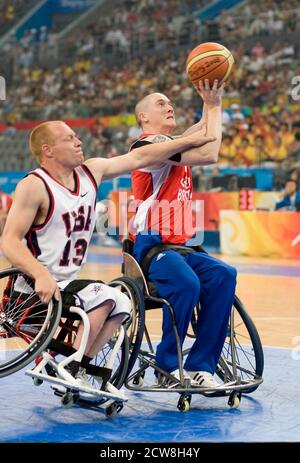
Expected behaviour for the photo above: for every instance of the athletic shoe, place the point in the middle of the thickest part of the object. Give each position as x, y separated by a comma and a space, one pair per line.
163, 380
203, 379
81, 378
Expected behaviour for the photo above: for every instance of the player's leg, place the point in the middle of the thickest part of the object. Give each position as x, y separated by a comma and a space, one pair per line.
106, 308
178, 284
118, 314
218, 282
97, 319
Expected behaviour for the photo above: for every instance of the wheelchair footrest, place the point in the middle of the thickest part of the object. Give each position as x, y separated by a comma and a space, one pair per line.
110, 393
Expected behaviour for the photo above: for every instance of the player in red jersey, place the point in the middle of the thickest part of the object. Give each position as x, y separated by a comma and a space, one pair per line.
164, 215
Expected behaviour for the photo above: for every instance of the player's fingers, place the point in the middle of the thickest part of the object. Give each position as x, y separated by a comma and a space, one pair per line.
203, 128
222, 86
205, 140
44, 296
201, 86
215, 85
206, 84
57, 294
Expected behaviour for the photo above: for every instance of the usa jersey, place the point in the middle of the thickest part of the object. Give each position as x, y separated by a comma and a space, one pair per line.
164, 197
61, 242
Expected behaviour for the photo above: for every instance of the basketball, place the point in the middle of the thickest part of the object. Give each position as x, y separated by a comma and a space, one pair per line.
209, 61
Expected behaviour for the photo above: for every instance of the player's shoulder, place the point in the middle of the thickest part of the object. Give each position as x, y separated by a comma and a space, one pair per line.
32, 179
31, 184
158, 138
149, 139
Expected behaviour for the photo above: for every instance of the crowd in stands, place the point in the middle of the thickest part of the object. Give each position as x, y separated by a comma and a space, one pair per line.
10, 11
270, 17
261, 120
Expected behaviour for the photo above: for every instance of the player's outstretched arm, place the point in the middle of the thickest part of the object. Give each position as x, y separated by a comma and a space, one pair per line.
145, 156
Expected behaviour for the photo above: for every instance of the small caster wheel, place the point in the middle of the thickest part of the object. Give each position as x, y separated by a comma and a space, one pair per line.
184, 402
112, 410
234, 400
138, 380
37, 381
67, 400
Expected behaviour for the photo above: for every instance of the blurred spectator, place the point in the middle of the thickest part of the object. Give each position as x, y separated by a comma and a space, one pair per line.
294, 175
246, 153
290, 198
227, 151
9, 130
236, 113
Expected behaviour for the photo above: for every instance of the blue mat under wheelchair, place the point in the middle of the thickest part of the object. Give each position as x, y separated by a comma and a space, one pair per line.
270, 414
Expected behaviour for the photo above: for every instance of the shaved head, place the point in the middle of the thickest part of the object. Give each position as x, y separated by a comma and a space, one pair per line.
155, 114
143, 105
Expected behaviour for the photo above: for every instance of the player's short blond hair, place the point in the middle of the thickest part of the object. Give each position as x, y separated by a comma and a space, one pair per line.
40, 135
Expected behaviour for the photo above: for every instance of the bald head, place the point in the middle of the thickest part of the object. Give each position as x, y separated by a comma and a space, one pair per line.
43, 134
144, 105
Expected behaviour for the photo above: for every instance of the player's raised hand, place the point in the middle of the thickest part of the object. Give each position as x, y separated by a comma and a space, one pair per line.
212, 96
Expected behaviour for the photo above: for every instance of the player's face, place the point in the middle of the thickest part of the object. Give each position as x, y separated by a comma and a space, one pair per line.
161, 113
67, 148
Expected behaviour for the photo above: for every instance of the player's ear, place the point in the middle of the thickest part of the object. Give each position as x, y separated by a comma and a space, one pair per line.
46, 150
143, 117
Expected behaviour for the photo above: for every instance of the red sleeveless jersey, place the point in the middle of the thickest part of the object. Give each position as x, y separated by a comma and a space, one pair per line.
164, 198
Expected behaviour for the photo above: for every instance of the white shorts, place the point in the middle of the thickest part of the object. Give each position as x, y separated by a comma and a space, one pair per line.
95, 294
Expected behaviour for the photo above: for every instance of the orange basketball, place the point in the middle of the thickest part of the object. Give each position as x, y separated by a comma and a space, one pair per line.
209, 61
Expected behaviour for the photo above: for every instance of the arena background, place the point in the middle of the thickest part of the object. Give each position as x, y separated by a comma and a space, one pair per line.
88, 63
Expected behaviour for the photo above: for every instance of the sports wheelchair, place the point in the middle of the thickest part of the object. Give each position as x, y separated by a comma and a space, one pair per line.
241, 363
31, 330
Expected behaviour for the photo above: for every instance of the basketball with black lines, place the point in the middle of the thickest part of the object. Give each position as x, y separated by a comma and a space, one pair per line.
209, 61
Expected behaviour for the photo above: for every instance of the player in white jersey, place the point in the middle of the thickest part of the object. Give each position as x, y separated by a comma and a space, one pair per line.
50, 223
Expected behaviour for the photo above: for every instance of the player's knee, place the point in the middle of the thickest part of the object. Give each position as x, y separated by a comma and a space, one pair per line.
226, 273
124, 302
188, 284
123, 305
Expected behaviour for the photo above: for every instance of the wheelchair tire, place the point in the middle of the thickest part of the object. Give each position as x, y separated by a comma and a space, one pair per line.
251, 353
250, 357
27, 325
136, 326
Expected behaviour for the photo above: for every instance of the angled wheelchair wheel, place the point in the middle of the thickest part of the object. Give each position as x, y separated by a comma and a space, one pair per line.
26, 324
242, 355
135, 327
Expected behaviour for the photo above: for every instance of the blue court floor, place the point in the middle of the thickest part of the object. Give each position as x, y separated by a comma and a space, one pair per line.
271, 414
